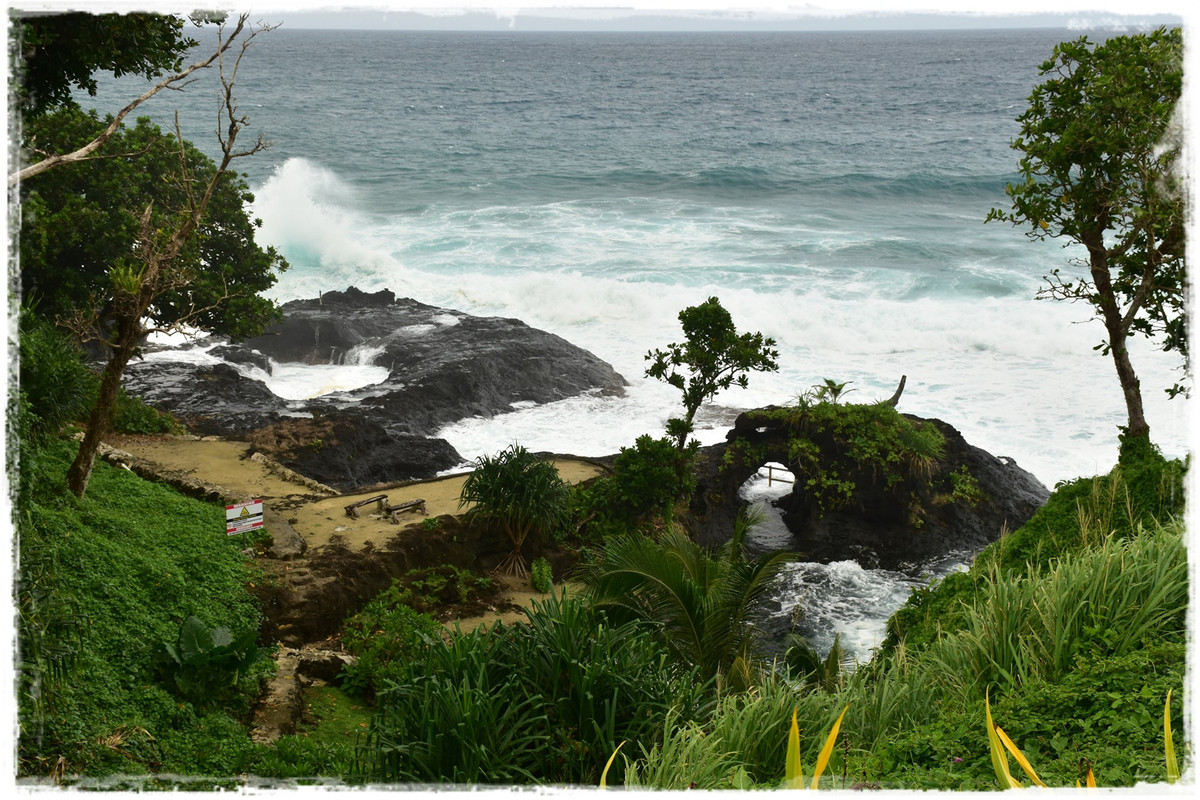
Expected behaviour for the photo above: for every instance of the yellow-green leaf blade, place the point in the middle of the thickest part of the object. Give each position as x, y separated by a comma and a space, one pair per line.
1169, 743
996, 749
793, 772
604, 775
1011, 746
827, 750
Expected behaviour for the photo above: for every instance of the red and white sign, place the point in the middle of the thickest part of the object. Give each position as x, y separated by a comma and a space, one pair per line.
242, 517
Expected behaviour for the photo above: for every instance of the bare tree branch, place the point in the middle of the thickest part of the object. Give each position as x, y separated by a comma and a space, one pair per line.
91, 147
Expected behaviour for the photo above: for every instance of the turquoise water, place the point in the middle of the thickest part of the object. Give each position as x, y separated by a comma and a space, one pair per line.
830, 188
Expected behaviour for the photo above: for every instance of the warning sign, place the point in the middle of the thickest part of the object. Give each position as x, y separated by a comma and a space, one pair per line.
242, 517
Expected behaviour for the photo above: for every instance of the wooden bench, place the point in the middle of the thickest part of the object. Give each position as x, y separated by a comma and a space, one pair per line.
411, 505
352, 509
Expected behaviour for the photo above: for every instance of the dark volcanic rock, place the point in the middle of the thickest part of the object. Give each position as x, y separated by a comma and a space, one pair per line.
212, 399
443, 366
892, 528
346, 450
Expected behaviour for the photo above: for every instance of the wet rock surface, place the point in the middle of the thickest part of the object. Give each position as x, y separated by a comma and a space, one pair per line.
442, 366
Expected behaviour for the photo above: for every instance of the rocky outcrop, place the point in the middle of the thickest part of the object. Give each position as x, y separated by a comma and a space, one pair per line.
348, 450
967, 499
442, 366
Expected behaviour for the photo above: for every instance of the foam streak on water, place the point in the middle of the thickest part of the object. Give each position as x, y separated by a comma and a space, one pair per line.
292, 380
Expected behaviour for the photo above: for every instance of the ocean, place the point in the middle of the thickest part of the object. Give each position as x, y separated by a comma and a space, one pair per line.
829, 188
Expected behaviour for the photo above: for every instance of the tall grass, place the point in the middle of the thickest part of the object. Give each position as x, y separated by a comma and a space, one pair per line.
1112, 598
546, 701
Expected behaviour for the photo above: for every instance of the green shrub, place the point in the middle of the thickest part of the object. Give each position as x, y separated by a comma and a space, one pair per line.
930, 611
836, 447
57, 385
541, 578
964, 488
519, 493
1079, 514
546, 701
385, 633
647, 481
650, 476
205, 662
132, 415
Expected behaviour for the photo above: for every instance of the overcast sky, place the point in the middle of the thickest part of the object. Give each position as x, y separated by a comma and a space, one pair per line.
674, 14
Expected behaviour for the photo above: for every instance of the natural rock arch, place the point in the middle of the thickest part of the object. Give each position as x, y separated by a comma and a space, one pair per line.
968, 499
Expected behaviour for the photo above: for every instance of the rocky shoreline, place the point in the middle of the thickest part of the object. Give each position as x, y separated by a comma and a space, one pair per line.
443, 366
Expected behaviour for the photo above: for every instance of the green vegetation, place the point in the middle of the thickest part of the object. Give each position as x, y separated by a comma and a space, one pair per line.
148, 235
702, 601
381, 636
100, 204
63, 53
138, 639
843, 449
1100, 152
541, 578
105, 583
713, 357
647, 481
543, 701
206, 662
519, 493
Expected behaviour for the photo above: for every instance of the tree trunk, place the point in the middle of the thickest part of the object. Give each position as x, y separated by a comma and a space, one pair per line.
80, 473
1118, 336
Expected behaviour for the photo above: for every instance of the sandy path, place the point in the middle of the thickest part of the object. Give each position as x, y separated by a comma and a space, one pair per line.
226, 463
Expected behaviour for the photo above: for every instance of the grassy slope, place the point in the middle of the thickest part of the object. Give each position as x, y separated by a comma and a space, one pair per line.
1106, 706
114, 574
107, 580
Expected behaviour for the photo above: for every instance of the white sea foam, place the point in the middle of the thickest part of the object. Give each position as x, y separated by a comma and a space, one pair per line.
292, 380
841, 599
1018, 377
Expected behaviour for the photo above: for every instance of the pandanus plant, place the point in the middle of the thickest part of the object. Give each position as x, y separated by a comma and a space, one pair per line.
522, 494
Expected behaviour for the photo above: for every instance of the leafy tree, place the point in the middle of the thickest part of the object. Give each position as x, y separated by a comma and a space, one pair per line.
165, 270
78, 228
704, 602
1100, 169
713, 357
59, 53
521, 493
